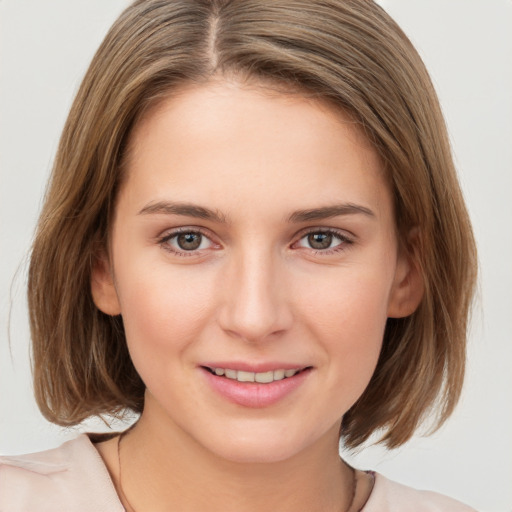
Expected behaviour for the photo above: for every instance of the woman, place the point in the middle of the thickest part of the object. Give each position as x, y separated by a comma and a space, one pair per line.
241, 243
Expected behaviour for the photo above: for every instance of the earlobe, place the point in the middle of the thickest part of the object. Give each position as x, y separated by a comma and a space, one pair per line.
408, 287
103, 289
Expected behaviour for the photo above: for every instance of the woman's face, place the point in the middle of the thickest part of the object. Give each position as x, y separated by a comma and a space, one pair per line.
253, 238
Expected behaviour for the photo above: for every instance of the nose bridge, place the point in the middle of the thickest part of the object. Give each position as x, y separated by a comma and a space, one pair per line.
255, 304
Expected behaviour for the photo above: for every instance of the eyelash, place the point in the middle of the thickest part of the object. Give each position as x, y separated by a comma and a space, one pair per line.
345, 241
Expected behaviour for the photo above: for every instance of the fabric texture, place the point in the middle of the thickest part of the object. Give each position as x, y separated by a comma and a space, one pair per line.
73, 478
389, 496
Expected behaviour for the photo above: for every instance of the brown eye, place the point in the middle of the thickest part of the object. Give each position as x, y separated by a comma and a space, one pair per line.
183, 242
324, 241
189, 241
320, 240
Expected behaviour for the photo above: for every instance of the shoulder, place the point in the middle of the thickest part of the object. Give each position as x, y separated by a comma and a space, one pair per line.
389, 496
69, 478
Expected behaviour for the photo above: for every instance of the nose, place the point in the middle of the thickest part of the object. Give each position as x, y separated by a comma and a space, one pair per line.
255, 305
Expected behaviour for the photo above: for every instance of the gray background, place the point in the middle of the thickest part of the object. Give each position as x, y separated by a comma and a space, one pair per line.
467, 46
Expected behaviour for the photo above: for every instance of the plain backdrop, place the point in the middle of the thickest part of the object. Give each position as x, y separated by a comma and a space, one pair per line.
467, 46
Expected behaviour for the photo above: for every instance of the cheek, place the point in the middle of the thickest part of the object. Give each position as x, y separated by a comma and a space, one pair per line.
350, 304
348, 320
162, 310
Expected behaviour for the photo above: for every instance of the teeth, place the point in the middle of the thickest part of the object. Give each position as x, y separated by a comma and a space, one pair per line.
279, 374
245, 376
230, 374
262, 377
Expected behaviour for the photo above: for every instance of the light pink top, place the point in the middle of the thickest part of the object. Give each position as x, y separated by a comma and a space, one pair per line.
73, 478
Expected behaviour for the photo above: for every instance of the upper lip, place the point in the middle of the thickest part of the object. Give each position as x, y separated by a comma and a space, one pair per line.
254, 367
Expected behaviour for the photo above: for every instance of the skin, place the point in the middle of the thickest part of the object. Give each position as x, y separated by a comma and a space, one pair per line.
255, 291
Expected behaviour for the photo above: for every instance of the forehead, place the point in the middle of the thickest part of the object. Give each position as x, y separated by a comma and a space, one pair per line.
225, 102
251, 140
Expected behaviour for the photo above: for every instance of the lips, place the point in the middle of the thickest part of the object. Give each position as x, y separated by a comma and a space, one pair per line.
254, 387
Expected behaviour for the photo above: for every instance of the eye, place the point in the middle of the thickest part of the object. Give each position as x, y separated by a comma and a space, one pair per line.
189, 241
185, 241
324, 240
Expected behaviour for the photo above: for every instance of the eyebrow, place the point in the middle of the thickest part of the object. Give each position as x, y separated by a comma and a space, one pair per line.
184, 209
327, 212
201, 212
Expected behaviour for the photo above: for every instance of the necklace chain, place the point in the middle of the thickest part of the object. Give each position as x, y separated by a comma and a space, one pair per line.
132, 509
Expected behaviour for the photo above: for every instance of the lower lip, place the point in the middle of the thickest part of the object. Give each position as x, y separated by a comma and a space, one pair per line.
254, 394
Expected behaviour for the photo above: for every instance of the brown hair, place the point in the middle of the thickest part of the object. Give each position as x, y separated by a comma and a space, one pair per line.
350, 53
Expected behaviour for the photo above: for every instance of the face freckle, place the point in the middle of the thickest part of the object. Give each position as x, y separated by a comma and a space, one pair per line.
254, 230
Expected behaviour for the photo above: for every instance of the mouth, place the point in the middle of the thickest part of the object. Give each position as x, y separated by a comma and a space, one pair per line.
245, 387
256, 377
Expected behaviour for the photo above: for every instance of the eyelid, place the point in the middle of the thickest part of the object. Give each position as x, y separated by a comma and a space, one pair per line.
341, 233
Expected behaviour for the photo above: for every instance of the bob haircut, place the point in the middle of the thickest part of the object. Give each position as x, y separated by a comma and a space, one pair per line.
348, 53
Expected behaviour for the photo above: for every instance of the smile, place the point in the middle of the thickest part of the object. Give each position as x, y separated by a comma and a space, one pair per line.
252, 388
259, 377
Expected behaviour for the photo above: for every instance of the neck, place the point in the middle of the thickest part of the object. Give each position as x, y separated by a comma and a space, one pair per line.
161, 465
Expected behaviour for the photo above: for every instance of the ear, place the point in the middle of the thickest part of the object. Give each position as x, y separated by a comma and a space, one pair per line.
103, 289
408, 286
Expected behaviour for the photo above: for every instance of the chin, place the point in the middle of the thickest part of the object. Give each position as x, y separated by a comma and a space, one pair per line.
258, 446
